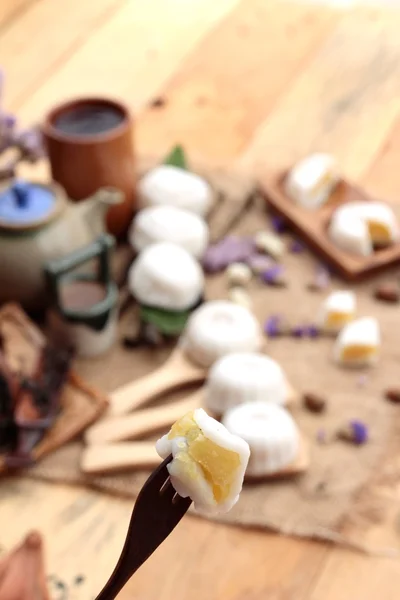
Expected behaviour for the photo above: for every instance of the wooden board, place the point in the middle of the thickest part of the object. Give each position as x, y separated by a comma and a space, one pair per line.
265, 82
312, 226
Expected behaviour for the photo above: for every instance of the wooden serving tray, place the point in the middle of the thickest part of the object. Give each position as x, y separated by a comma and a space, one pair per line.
312, 226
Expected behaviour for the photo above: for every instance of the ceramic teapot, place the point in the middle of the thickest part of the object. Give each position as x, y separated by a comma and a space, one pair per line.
38, 224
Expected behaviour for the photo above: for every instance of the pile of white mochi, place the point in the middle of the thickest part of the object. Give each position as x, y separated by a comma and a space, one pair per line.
170, 236
249, 392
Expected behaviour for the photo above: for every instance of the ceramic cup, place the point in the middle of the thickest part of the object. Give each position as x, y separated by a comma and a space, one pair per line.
89, 145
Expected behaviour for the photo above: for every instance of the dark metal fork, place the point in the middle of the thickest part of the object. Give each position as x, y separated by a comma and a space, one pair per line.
157, 511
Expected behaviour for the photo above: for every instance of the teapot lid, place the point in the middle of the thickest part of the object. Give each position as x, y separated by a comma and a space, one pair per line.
25, 205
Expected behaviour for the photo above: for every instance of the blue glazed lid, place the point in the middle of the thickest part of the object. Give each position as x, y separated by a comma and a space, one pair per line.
26, 205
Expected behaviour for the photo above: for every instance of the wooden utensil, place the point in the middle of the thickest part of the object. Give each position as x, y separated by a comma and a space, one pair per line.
141, 422
177, 372
102, 459
105, 459
312, 226
157, 511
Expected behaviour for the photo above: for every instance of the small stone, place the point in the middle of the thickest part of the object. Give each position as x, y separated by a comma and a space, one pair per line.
314, 403
239, 274
355, 432
274, 276
387, 292
393, 395
239, 296
270, 243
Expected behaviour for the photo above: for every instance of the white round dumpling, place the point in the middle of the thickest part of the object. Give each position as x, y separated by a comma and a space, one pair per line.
218, 328
169, 185
169, 224
244, 377
166, 276
271, 433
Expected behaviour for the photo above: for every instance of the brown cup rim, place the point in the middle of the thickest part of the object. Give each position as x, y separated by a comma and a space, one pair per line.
50, 131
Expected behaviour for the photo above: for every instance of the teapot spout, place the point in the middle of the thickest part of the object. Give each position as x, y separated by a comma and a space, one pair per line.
96, 207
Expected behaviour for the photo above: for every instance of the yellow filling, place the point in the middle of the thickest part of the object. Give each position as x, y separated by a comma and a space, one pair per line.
378, 233
217, 464
336, 319
323, 183
358, 352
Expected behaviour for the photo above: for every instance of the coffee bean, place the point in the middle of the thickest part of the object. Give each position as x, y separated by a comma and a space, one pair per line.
393, 395
387, 292
314, 403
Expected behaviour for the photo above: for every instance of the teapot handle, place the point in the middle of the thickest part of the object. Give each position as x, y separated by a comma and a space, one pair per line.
99, 248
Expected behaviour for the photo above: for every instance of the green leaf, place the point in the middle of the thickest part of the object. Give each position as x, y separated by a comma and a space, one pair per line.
177, 158
167, 322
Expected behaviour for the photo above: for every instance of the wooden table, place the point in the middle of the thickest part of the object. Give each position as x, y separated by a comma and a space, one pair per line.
251, 82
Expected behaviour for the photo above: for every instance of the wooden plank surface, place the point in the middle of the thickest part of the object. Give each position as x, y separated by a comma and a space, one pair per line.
257, 81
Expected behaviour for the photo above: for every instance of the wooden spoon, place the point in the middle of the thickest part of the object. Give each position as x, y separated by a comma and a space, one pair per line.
122, 456
141, 422
176, 372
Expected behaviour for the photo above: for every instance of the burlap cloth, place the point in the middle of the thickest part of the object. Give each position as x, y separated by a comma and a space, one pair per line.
341, 485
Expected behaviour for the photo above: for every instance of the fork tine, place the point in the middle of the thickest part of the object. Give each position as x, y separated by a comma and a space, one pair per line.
165, 485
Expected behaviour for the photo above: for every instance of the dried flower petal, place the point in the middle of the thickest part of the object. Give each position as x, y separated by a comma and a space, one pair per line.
362, 380
278, 223
296, 247
260, 262
321, 279
229, 250
321, 436
272, 326
273, 276
355, 432
299, 331
312, 331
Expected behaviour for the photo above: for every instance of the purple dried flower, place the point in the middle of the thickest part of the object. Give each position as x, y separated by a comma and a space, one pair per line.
360, 432
321, 436
229, 250
272, 276
312, 331
27, 142
31, 144
259, 262
355, 432
272, 326
296, 247
299, 331
278, 223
